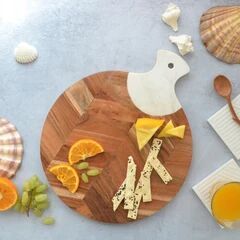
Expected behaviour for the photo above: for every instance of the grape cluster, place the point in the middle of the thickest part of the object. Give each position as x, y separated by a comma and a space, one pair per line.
33, 198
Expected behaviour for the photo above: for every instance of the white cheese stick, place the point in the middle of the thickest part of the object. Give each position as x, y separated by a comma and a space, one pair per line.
130, 184
161, 170
119, 196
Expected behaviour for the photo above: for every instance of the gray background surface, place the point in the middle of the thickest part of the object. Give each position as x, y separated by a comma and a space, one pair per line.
76, 38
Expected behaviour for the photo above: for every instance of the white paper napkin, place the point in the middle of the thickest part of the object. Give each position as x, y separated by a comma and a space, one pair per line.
227, 129
229, 172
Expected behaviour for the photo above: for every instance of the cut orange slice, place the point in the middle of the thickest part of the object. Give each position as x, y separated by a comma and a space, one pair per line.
67, 175
83, 149
8, 194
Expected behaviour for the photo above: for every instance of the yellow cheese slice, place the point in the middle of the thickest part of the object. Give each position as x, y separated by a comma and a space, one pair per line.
145, 129
177, 131
168, 127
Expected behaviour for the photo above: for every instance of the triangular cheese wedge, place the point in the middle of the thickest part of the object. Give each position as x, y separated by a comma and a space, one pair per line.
177, 131
149, 123
168, 127
145, 129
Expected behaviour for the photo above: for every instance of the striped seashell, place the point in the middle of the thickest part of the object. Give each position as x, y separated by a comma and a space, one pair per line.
220, 31
11, 149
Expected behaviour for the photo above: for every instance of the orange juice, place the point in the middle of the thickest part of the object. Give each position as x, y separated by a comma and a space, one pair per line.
226, 203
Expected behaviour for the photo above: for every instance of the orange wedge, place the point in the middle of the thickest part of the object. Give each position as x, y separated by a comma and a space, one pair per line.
67, 175
8, 194
83, 149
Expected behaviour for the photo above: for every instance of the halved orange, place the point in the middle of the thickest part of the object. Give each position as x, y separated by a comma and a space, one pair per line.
67, 175
83, 149
8, 194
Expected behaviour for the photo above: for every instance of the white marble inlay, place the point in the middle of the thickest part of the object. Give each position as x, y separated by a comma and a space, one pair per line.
153, 92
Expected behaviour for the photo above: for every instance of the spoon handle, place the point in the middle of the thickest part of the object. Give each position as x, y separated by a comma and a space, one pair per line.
234, 115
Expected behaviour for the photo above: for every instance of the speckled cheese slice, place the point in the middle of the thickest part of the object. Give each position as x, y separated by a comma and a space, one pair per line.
137, 199
147, 170
143, 188
146, 185
119, 196
161, 170
130, 184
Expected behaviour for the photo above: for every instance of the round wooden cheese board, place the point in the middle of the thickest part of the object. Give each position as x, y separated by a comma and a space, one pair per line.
99, 107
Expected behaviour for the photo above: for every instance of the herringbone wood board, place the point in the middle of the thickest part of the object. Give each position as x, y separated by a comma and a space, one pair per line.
99, 107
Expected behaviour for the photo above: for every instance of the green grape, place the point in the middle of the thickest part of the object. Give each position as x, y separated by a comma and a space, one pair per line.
41, 198
41, 188
34, 178
33, 184
84, 177
48, 220
38, 183
93, 172
33, 193
23, 209
26, 186
37, 212
25, 199
17, 206
82, 165
43, 205
33, 204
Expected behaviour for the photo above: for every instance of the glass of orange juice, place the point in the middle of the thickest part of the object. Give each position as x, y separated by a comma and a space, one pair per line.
226, 205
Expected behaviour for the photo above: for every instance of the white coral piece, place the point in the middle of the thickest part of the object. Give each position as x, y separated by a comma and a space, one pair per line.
183, 42
25, 53
171, 15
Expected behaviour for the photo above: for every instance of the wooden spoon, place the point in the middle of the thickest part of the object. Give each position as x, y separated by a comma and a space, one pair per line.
223, 87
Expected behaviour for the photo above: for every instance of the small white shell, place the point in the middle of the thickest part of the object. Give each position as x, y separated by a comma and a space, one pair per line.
25, 53
183, 42
11, 149
171, 15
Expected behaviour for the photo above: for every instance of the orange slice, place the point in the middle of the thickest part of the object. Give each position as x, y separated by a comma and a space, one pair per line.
83, 149
67, 175
8, 194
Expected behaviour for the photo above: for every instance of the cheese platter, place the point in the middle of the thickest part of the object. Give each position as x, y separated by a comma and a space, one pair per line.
141, 137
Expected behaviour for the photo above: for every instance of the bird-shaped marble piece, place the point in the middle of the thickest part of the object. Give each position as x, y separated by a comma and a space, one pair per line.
154, 92
104, 107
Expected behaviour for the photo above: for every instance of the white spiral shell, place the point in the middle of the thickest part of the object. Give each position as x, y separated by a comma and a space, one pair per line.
11, 149
25, 53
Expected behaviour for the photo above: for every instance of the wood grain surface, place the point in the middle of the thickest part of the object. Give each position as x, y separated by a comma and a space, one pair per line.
99, 107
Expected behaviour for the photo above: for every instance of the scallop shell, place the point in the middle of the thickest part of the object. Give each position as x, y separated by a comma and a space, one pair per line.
11, 149
25, 53
220, 31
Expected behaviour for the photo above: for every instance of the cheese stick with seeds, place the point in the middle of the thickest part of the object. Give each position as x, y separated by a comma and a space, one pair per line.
161, 170
119, 196
147, 170
130, 184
